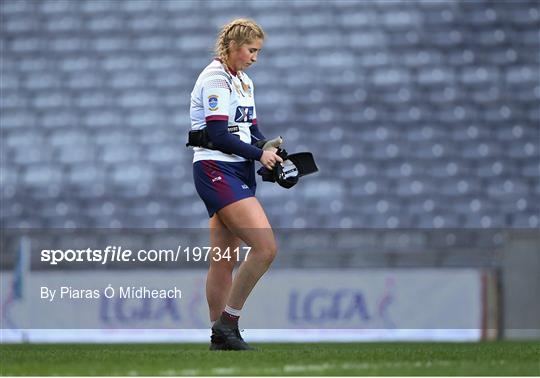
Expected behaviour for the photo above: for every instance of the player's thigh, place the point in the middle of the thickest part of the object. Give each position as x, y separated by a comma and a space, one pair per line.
221, 239
246, 219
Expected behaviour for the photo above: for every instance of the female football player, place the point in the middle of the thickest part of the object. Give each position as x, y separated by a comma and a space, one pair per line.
224, 116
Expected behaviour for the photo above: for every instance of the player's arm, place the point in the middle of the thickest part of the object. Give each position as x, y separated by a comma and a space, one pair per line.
256, 134
269, 147
257, 137
229, 143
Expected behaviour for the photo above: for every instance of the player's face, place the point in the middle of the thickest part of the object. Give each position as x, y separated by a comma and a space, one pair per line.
246, 55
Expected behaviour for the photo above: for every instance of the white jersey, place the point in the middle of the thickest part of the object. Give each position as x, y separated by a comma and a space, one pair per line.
218, 95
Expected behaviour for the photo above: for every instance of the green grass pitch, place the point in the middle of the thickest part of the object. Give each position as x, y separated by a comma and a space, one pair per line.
486, 358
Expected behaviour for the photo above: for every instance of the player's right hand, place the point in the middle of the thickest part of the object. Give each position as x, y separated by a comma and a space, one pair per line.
269, 159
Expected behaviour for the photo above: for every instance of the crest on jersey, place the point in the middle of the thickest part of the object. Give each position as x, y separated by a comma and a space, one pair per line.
213, 102
244, 114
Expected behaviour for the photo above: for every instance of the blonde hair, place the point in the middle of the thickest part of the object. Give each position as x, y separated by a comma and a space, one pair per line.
241, 30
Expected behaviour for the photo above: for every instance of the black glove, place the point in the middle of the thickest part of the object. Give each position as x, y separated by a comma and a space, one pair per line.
267, 174
288, 173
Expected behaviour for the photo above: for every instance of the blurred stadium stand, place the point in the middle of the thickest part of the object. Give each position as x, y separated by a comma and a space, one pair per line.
421, 114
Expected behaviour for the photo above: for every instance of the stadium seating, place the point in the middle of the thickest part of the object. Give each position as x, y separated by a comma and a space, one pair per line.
421, 114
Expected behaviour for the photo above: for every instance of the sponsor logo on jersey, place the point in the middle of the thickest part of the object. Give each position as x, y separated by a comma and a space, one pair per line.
244, 186
244, 114
233, 129
216, 179
213, 102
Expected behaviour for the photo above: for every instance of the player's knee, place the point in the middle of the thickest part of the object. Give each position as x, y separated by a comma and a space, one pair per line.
268, 253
